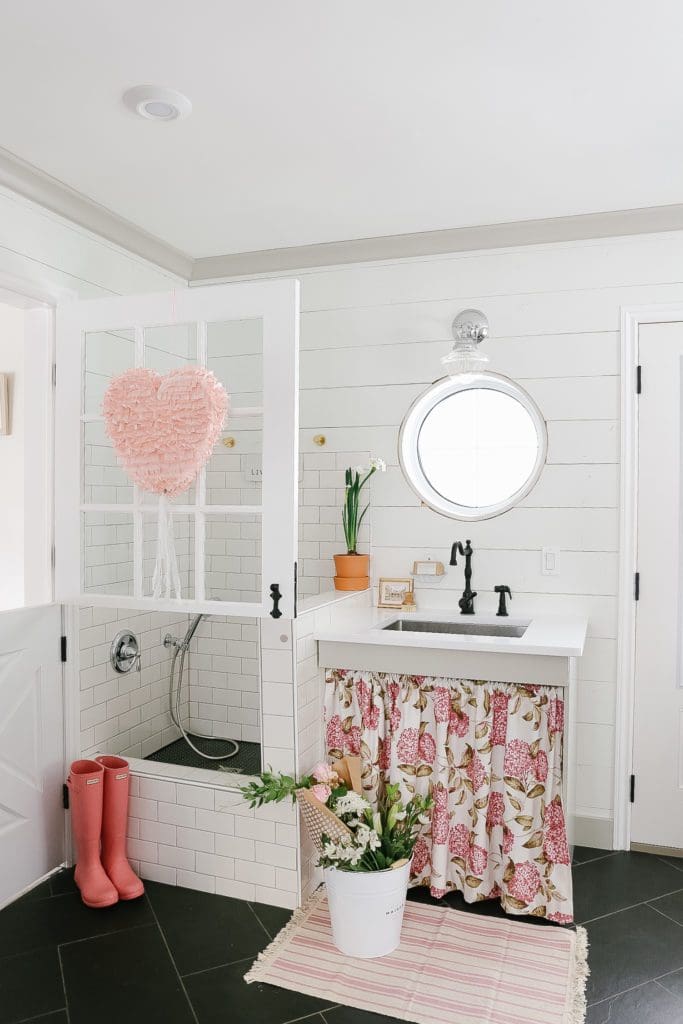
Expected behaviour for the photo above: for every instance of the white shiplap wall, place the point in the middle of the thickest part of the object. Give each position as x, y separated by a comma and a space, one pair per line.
371, 339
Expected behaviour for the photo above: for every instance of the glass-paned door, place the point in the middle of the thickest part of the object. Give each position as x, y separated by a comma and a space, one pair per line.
234, 527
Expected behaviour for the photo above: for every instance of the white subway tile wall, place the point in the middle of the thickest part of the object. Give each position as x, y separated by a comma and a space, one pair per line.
126, 714
224, 690
206, 837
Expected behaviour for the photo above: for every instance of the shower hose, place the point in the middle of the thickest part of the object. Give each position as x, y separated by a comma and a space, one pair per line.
180, 647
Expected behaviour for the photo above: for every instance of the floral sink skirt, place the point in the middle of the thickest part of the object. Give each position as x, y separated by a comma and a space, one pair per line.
491, 755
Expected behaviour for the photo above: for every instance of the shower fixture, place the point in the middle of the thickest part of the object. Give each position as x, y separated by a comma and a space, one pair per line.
181, 647
469, 328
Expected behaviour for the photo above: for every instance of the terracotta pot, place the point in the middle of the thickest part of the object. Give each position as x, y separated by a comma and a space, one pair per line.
352, 572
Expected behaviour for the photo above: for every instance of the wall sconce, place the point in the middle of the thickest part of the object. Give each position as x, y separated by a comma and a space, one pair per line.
470, 327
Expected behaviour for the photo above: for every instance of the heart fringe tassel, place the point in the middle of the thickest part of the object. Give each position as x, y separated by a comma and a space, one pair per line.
166, 577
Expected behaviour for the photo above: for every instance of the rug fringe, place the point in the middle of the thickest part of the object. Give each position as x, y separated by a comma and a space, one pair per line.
254, 972
580, 972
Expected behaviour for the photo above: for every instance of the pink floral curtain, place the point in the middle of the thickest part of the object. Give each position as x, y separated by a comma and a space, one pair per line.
491, 756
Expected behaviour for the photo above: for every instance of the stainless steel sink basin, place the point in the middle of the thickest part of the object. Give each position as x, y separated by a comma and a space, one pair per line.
458, 628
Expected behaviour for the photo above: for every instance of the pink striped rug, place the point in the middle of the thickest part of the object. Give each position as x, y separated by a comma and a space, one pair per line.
451, 967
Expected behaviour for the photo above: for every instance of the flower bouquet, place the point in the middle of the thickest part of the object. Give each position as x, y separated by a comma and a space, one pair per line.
365, 852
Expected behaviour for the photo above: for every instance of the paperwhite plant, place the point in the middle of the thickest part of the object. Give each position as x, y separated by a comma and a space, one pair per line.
379, 465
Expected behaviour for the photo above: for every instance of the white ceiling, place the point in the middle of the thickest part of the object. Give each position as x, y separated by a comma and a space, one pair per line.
324, 120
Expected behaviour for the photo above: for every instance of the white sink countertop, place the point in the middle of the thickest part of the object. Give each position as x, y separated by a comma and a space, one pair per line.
547, 635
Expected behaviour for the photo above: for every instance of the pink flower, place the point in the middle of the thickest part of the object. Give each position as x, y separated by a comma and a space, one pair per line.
407, 746
437, 894
508, 839
426, 748
335, 734
352, 740
495, 811
394, 710
525, 882
556, 715
500, 718
324, 772
459, 841
478, 859
321, 792
476, 772
384, 755
440, 816
555, 835
441, 700
560, 918
369, 712
541, 766
460, 845
517, 760
420, 856
459, 723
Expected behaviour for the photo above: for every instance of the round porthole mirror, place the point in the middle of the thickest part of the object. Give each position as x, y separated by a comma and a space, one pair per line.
471, 446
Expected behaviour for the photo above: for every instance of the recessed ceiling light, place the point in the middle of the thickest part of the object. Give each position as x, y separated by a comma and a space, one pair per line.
157, 103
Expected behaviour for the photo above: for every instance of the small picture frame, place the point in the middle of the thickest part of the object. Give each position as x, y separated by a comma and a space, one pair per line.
4, 404
392, 592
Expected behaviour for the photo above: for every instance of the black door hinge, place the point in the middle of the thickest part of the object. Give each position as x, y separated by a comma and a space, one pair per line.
636, 587
65, 797
296, 586
62, 648
639, 380
632, 791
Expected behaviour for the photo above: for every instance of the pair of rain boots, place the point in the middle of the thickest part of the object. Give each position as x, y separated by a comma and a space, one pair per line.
98, 798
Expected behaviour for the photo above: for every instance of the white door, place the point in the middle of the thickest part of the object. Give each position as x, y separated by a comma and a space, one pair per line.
657, 812
31, 748
235, 526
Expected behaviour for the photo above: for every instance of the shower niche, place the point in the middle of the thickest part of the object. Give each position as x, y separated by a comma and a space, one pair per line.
194, 698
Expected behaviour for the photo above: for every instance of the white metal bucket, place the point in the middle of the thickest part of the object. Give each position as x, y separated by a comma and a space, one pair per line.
366, 909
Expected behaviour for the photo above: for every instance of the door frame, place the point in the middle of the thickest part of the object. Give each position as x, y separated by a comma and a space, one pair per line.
42, 296
632, 317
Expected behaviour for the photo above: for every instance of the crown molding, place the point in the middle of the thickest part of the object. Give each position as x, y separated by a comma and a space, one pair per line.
31, 183
647, 220
28, 181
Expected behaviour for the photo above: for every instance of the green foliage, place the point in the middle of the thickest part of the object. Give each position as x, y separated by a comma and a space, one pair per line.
350, 510
272, 788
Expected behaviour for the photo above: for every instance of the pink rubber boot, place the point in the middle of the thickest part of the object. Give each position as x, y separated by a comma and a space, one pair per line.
86, 792
114, 821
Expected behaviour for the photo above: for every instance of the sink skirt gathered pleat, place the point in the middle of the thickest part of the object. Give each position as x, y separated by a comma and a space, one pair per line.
490, 754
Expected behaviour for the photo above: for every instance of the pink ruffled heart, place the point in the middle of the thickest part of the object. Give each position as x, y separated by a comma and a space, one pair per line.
164, 428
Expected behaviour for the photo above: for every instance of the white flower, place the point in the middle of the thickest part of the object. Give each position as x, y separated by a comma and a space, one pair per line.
424, 819
350, 803
379, 465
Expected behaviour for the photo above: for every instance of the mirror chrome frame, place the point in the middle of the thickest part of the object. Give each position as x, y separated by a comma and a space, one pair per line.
412, 422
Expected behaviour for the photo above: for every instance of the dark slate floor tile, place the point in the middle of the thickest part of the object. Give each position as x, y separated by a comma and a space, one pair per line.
212, 992
49, 922
671, 906
674, 862
30, 984
583, 854
128, 976
273, 919
630, 948
648, 1004
614, 883
39, 892
347, 1015
52, 1018
204, 930
673, 983
63, 882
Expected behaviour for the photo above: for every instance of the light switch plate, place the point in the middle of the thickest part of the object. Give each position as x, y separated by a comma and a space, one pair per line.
550, 562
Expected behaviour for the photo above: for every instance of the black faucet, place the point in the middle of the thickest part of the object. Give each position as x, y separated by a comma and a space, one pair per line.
466, 602
502, 591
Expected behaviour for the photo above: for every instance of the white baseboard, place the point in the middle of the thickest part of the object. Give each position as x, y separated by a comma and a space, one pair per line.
596, 833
